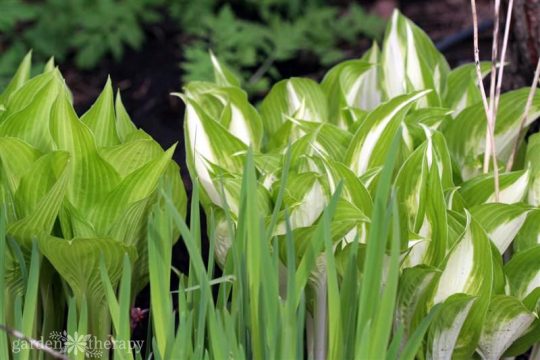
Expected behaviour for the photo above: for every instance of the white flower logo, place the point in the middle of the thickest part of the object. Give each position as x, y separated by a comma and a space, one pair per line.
77, 343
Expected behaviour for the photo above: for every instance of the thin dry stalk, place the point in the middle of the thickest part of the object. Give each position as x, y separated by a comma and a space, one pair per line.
488, 108
528, 105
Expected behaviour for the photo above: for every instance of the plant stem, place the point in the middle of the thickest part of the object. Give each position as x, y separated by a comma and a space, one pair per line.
320, 318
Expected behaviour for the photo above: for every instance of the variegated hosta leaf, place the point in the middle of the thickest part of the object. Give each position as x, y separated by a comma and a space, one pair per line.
222, 75
230, 107
410, 62
506, 320
529, 233
466, 134
447, 327
501, 222
302, 99
463, 90
371, 141
468, 269
533, 160
513, 188
414, 286
304, 199
421, 199
523, 272
209, 143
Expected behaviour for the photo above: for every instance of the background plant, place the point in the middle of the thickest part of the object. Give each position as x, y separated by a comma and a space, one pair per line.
265, 33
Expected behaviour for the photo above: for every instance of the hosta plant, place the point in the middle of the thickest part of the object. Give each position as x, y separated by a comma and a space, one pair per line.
79, 190
467, 246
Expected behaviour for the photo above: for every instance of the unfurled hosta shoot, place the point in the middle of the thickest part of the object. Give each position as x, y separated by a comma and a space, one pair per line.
81, 189
460, 252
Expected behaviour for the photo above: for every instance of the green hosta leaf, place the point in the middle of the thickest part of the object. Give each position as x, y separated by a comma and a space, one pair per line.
466, 134
468, 269
513, 188
91, 176
130, 156
371, 142
410, 62
506, 320
523, 272
77, 261
25, 94
21, 76
16, 158
135, 187
124, 125
32, 123
39, 197
533, 160
299, 98
101, 118
529, 233
462, 89
448, 325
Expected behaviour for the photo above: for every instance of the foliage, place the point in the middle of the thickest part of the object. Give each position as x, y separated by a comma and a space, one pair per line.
268, 32
333, 141
79, 190
89, 29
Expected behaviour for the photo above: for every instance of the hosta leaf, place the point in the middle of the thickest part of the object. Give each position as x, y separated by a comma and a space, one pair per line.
207, 143
345, 86
77, 261
501, 222
529, 233
468, 269
101, 118
91, 176
513, 188
21, 76
414, 285
32, 123
39, 197
506, 320
523, 272
304, 198
299, 98
410, 62
462, 89
371, 142
467, 132
25, 95
222, 75
533, 160
135, 187
16, 158
448, 325
124, 125
130, 156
